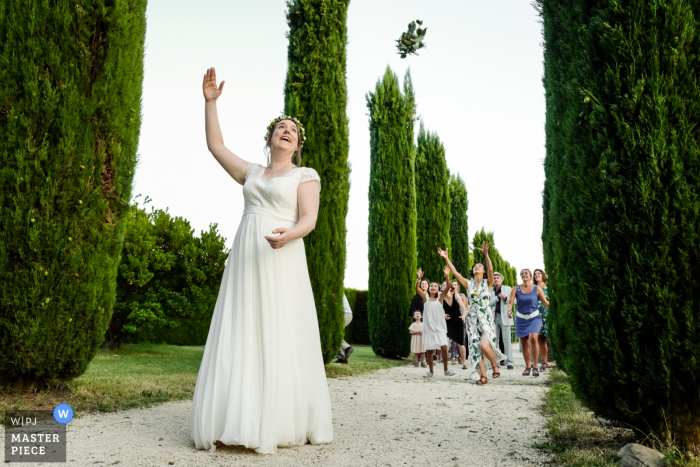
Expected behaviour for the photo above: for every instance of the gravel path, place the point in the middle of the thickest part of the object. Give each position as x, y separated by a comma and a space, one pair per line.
388, 418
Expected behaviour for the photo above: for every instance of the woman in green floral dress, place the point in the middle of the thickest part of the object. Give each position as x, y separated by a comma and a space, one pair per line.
541, 282
478, 318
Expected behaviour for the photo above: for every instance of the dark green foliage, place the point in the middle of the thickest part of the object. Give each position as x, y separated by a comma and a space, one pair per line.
392, 215
622, 207
71, 75
168, 280
411, 40
316, 93
432, 204
357, 332
499, 264
459, 234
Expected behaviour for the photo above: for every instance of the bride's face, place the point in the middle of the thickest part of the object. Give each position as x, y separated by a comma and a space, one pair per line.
285, 137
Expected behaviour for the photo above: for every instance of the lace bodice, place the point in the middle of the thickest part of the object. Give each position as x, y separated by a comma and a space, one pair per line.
278, 194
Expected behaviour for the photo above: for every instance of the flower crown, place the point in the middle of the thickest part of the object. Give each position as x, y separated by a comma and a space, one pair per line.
273, 123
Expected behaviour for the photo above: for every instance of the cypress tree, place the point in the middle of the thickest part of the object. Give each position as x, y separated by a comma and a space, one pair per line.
622, 201
70, 88
316, 93
392, 215
509, 273
432, 204
459, 233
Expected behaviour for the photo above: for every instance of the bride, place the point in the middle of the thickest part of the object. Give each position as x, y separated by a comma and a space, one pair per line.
262, 382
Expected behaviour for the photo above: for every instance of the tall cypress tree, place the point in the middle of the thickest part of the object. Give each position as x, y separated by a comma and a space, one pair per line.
316, 93
70, 88
499, 264
622, 201
459, 232
432, 204
392, 215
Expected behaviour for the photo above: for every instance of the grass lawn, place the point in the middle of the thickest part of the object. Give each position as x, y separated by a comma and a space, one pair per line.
363, 360
578, 438
139, 375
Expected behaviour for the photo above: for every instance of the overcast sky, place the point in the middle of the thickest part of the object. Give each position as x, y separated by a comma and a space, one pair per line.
478, 84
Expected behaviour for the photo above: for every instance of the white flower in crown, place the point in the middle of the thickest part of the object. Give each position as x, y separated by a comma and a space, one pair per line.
302, 133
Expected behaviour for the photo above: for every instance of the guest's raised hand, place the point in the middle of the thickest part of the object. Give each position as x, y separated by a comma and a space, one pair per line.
420, 273
484, 249
281, 240
443, 253
211, 92
446, 271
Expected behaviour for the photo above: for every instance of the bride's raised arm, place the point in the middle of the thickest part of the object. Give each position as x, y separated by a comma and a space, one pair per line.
234, 165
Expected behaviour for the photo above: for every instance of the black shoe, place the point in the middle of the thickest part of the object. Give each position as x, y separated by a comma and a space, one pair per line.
340, 360
348, 352
510, 367
503, 362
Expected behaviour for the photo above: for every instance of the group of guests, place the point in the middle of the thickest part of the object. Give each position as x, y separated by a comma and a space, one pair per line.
476, 321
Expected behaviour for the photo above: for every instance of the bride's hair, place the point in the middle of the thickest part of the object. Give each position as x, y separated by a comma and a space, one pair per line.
267, 151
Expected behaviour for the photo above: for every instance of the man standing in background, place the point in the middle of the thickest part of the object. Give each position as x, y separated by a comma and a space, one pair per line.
345, 349
499, 301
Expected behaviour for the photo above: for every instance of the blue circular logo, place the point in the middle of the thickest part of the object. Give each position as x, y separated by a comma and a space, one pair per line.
63, 413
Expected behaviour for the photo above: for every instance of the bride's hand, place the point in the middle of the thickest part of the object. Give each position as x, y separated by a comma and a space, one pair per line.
279, 241
211, 92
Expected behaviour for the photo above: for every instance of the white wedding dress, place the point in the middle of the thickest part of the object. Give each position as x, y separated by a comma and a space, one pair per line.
262, 382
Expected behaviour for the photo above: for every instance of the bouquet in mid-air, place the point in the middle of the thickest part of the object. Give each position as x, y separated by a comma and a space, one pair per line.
411, 40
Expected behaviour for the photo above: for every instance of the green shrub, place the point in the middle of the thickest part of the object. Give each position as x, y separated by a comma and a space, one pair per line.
459, 232
168, 280
70, 89
432, 204
357, 332
392, 215
316, 93
622, 207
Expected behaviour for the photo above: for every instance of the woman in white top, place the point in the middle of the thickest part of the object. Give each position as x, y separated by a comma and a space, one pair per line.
434, 324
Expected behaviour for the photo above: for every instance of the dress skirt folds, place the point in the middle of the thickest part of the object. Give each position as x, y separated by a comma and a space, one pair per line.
262, 383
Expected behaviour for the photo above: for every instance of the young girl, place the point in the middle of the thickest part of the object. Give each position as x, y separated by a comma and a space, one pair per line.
435, 325
416, 330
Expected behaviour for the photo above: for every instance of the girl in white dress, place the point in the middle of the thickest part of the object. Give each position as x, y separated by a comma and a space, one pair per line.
434, 323
416, 330
262, 383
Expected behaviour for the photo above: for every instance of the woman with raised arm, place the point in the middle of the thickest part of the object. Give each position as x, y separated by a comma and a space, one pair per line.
434, 322
479, 319
262, 383
529, 321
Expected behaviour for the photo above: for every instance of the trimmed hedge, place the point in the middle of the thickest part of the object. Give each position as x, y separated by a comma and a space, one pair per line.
71, 77
357, 332
316, 93
392, 215
432, 204
622, 208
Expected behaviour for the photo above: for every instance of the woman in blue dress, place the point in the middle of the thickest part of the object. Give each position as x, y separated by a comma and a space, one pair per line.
529, 321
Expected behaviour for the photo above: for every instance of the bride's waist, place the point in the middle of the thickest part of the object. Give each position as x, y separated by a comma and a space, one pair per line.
271, 214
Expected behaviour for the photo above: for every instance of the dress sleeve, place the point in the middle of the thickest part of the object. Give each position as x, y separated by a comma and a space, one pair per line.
248, 170
308, 174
